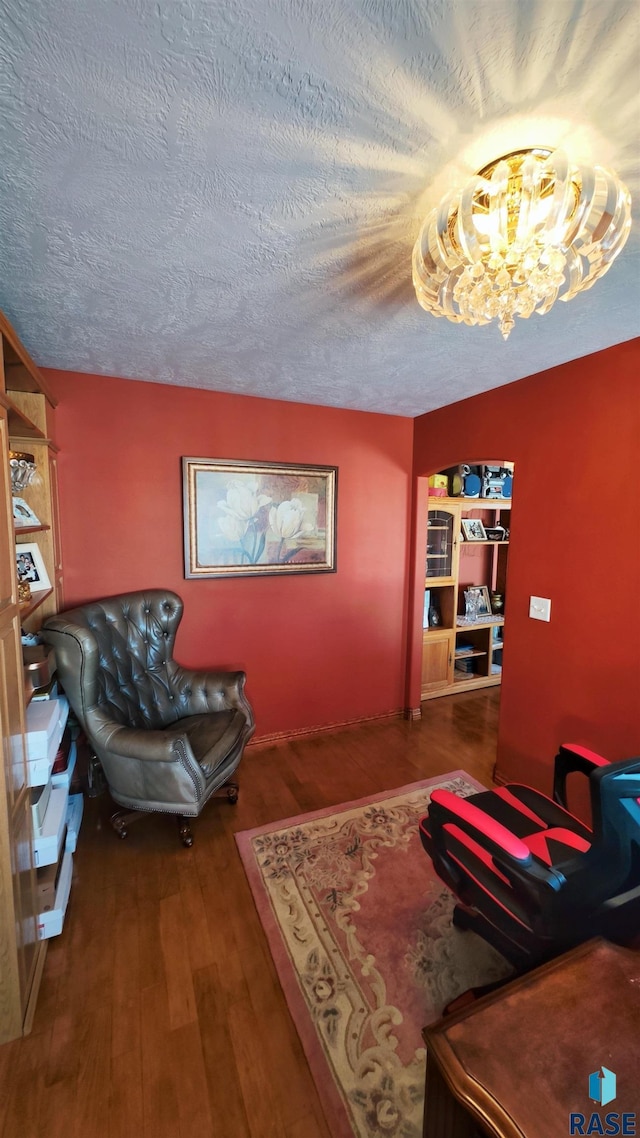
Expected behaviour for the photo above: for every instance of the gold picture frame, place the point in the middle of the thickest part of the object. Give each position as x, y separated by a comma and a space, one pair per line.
256, 519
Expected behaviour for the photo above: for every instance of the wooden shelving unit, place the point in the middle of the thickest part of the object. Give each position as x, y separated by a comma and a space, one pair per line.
26, 406
456, 655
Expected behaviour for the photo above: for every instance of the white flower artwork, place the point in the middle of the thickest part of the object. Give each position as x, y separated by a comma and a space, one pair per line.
252, 519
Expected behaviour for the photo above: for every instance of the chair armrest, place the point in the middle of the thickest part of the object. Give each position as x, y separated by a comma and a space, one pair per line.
496, 839
511, 856
134, 742
201, 692
572, 759
113, 740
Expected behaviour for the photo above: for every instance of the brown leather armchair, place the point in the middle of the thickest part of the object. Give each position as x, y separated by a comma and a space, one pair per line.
168, 738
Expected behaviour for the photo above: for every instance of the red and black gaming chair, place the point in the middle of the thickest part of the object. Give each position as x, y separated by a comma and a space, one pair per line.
529, 876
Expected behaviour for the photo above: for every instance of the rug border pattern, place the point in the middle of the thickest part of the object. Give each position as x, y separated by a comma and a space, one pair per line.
329, 1093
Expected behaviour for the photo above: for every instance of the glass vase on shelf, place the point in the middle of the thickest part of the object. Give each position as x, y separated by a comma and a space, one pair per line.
23, 470
471, 604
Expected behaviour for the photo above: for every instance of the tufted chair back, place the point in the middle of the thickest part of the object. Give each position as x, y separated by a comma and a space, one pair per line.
167, 736
133, 663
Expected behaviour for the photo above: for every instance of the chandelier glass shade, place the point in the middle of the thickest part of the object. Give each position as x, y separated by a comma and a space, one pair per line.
527, 230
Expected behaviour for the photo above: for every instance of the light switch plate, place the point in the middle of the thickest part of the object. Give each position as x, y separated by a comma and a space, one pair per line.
539, 608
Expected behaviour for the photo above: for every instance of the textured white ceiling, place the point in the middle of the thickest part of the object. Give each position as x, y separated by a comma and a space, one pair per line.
226, 194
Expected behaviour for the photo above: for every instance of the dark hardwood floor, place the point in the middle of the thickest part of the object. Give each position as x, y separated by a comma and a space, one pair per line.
160, 1014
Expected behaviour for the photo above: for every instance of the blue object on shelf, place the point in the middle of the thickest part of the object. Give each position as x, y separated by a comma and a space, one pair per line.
75, 809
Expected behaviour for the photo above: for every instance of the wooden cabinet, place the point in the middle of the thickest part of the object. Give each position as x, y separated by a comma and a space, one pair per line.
460, 654
25, 427
443, 542
437, 661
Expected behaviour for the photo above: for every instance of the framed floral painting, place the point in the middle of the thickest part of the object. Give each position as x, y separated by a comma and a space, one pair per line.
247, 519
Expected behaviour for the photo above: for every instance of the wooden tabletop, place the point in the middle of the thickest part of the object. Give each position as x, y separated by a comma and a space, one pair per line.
519, 1060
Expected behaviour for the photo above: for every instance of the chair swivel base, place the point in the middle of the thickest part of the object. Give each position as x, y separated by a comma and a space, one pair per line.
122, 819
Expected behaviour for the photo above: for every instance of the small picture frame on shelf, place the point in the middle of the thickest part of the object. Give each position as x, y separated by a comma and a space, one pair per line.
31, 567
477, 603
473, 529
23, 515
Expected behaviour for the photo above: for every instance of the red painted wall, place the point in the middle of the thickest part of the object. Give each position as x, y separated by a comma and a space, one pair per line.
573, 433
318, 649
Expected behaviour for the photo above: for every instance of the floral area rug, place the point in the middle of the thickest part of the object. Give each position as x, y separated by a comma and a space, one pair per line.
360, 929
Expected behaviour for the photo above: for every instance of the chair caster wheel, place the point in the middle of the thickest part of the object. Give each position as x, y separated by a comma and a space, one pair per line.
184, 832
119, 823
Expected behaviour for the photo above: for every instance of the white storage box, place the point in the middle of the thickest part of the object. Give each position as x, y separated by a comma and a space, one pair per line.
46, 720
39, 804
50, 923
47, 880
74, 818
47, 845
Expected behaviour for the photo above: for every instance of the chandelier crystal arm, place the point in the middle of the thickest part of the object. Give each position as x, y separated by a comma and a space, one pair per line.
467, 235
605, 225
585, 204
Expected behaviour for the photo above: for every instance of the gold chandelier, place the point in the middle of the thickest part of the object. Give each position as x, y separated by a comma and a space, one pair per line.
528, 229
